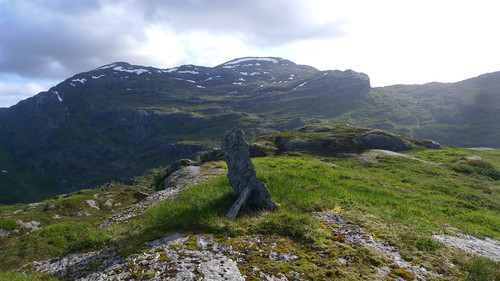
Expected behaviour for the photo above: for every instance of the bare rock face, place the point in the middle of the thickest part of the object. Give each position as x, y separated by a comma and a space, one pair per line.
242, 176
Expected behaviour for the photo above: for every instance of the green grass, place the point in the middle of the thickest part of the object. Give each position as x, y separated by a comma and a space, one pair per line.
70, 230
397, 200
17, 276
401, 201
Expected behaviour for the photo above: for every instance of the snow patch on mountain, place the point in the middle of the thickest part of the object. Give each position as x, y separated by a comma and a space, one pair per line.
188, 71
238, 61
300, 85
81, 80
170, 70
106, 66
97, 77
137, 71
57, 95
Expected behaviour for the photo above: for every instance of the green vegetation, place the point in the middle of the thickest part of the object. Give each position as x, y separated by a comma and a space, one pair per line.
116, 127
17, 276
398, 200
68, 223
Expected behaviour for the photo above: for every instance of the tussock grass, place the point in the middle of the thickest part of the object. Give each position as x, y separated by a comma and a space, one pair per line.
399, 200
17, 276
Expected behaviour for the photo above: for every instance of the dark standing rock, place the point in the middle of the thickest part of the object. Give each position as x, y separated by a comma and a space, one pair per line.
242, 176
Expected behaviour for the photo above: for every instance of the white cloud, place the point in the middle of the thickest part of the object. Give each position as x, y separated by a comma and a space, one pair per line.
407, 42
393, 41
164, 48
14, 91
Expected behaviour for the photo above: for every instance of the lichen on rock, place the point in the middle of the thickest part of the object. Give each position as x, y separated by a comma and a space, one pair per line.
242, 175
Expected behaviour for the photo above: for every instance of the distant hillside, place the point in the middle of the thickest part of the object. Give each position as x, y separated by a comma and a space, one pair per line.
465, 113
118, 120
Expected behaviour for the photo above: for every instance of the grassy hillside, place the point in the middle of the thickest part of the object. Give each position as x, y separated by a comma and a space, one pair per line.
451, 113
397, 200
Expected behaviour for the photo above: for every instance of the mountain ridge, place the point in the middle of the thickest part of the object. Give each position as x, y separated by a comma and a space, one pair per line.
118, 120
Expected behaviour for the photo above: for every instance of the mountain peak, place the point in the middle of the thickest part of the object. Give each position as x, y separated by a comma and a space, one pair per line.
114, 64
253, 61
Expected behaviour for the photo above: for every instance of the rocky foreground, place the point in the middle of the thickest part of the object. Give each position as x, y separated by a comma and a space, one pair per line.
184, 256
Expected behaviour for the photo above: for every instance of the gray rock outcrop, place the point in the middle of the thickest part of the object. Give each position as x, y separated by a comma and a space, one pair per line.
174, 184
354, 234
384, 141
488, 248
241, 174
431, 144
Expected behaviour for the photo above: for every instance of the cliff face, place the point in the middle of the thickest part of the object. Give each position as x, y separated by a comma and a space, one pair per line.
118, 120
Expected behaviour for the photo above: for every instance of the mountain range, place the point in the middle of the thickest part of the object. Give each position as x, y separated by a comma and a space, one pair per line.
119, 120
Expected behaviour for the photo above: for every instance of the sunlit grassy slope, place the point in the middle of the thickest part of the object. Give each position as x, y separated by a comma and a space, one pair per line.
398, 200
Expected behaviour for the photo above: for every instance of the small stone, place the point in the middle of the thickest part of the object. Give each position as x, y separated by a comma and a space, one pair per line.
92, 204
363, 159
49, 208
342, 260
83, 214
4, 233
109, 203
31, 226
471, 158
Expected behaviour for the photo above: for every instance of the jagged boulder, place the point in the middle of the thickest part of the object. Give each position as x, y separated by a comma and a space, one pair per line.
242, 176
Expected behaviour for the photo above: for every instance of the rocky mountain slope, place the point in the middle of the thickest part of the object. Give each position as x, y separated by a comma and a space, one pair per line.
118, 120
347, 212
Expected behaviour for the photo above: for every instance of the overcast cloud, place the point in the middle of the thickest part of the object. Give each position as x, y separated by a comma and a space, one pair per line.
42, 42
53, 38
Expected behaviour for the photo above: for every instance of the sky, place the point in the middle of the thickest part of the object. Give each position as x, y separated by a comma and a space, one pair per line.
43, 42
